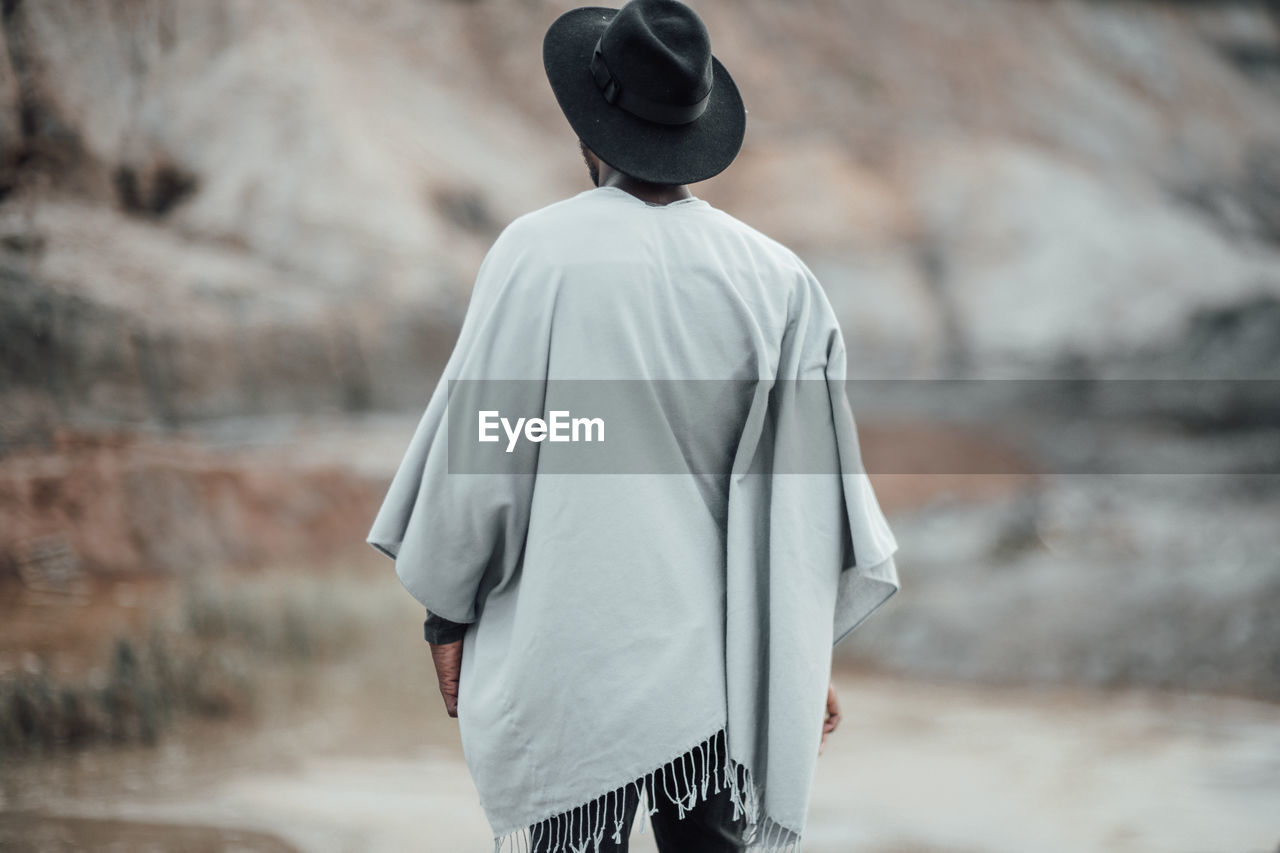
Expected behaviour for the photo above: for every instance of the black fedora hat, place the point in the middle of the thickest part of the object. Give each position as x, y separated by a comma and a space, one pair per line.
641, 88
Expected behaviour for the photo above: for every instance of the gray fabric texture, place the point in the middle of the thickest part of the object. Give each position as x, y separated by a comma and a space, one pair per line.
592, 600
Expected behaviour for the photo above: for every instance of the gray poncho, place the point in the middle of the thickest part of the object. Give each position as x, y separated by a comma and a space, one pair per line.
620, 619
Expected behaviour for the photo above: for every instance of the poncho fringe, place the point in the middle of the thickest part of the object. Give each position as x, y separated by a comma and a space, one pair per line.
582, 829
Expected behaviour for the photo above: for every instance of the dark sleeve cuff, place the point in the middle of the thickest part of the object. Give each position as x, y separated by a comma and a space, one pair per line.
438, 630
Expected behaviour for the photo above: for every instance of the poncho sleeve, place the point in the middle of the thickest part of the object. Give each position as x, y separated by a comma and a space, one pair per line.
456, 535
815, 512
868, 574
810, 557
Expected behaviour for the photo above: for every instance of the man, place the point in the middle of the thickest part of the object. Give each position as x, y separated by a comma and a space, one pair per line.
652, 615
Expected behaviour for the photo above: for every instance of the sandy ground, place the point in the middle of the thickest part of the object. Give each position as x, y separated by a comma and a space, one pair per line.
915, 767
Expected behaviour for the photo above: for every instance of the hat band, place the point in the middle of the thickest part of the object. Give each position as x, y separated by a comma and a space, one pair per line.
638, 105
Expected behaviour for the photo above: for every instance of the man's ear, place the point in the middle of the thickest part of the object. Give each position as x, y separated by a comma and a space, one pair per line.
592, 162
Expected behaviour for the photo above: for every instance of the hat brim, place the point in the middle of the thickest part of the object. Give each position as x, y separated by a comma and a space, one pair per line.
659, 153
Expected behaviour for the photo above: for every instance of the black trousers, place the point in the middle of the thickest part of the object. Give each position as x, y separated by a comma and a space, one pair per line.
709, 827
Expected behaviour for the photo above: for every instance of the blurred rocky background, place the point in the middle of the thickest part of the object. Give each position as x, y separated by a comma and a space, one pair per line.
237, 240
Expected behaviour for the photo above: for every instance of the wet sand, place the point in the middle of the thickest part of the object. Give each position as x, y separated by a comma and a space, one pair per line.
364, 761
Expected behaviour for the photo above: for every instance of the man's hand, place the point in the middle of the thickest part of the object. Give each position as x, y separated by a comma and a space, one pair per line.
833, 715
447, 658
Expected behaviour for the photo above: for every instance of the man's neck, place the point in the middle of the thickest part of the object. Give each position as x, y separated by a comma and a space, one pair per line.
647, 192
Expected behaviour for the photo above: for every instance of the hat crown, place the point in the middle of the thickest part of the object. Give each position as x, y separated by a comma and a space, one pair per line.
659, 50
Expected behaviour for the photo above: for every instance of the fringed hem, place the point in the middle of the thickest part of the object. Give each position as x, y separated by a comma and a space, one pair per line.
582, 829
